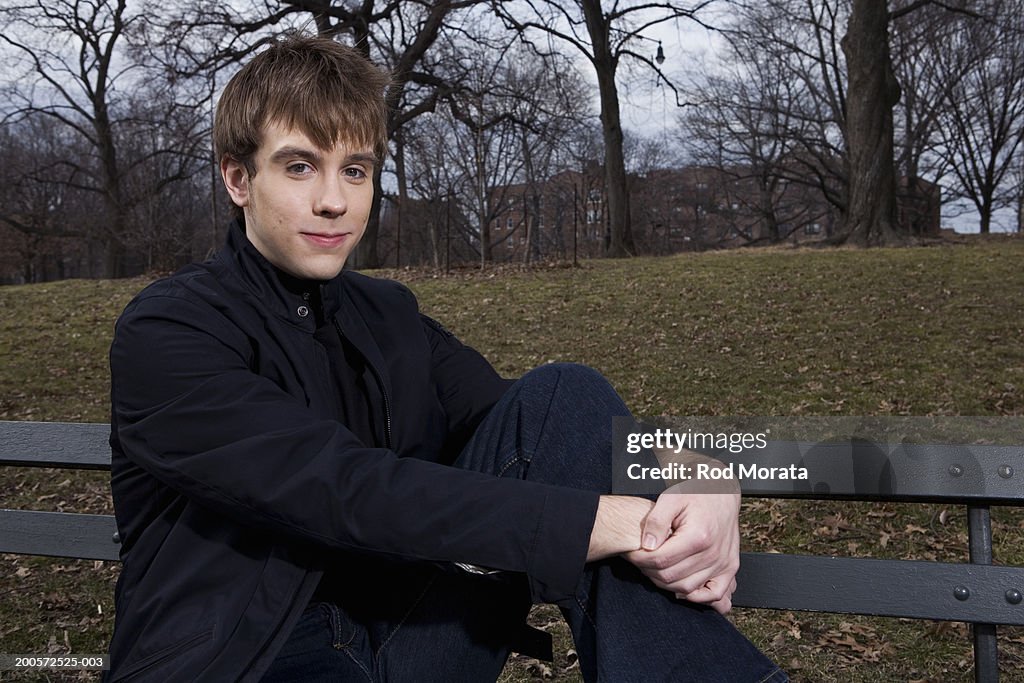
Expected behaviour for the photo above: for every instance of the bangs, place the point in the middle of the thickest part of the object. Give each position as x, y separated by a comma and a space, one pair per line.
329, 110
330, 92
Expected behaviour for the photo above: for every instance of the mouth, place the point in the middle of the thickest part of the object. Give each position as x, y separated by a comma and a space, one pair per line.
326, 240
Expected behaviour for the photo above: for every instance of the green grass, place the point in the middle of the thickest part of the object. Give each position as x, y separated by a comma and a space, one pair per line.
916, 331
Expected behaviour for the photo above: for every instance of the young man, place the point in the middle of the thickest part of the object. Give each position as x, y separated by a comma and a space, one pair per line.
314, 481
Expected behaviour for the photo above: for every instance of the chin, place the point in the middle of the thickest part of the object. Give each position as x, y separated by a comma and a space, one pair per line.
324, 273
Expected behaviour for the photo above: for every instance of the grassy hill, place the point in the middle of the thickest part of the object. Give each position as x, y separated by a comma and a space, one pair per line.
921, 331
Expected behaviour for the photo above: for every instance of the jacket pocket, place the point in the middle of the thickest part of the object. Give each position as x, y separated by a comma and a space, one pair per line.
150, 663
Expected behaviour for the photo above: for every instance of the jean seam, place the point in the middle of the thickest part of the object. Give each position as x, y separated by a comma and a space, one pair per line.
362, 667
519, 451
514, 458
334, 621
586, 613
334, 618
551, 399
771, 675
405, 617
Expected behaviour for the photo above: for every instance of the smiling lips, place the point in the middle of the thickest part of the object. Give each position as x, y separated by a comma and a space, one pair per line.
326, 240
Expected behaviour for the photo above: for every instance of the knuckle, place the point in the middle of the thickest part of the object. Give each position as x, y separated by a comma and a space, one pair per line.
661, 562
703, 538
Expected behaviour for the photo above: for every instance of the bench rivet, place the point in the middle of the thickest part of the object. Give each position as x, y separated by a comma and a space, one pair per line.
961, 593
955, 470
1013, 596
1005, 471
116, 538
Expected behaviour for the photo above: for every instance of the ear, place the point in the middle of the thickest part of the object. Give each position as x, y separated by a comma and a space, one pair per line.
236, 180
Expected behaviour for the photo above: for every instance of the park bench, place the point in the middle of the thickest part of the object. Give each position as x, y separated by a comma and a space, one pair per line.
977, 592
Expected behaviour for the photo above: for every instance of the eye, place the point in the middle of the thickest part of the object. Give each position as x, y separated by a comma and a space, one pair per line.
355, 173
299, 168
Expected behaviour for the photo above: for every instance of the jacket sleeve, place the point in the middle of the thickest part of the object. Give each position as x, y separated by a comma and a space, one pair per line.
191, 412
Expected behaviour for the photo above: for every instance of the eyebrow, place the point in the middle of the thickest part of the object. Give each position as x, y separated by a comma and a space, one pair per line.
292, 152
363, 158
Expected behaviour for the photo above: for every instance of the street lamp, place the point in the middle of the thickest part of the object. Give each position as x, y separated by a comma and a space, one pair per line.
660, 56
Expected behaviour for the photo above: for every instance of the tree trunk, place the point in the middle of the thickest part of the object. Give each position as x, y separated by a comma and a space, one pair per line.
403, 193
532, 205
1020, 209
621, 233
483, 200
872, 92
366, 254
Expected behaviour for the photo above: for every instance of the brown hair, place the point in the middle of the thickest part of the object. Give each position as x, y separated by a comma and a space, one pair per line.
329, 91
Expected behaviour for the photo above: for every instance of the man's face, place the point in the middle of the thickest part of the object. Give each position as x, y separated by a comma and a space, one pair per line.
305, 208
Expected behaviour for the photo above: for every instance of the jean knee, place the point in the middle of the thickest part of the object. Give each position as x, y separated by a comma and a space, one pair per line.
572, 376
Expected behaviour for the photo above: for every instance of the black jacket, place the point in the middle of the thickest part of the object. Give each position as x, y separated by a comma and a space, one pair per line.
233, 477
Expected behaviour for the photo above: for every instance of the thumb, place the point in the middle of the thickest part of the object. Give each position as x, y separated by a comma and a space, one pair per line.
657, 526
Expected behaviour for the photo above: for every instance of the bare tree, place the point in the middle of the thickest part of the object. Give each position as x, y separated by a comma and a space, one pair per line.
747, 125
983, 121
841, 53
918, 41
788, 56
872, 92
605, 37
499, 138
548, 102
76, 71
37, 203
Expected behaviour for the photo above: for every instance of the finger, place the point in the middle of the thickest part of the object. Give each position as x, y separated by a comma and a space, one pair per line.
683, 556
723, 606
686, 578
710, 581
702, 587
684, 545
657, 525
713, 590
732, 589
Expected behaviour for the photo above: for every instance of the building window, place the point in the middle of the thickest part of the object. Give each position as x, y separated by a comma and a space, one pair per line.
812, 229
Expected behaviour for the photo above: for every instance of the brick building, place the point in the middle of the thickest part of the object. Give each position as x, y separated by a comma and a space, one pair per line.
681, 209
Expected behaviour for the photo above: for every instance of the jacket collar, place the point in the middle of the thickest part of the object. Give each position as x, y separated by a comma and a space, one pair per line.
292, 299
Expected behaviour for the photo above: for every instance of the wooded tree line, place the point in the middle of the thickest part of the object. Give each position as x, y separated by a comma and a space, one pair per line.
861, 101
105, 122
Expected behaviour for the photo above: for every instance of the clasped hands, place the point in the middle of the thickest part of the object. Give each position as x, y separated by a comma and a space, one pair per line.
686, 542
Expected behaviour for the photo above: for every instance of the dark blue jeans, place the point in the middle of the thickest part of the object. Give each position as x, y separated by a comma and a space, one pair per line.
427, 624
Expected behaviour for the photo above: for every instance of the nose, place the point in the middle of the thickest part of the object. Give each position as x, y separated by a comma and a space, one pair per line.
330, 199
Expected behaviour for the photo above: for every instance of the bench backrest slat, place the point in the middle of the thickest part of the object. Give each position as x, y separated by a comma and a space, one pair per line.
58, 534
55, 444
976, 474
